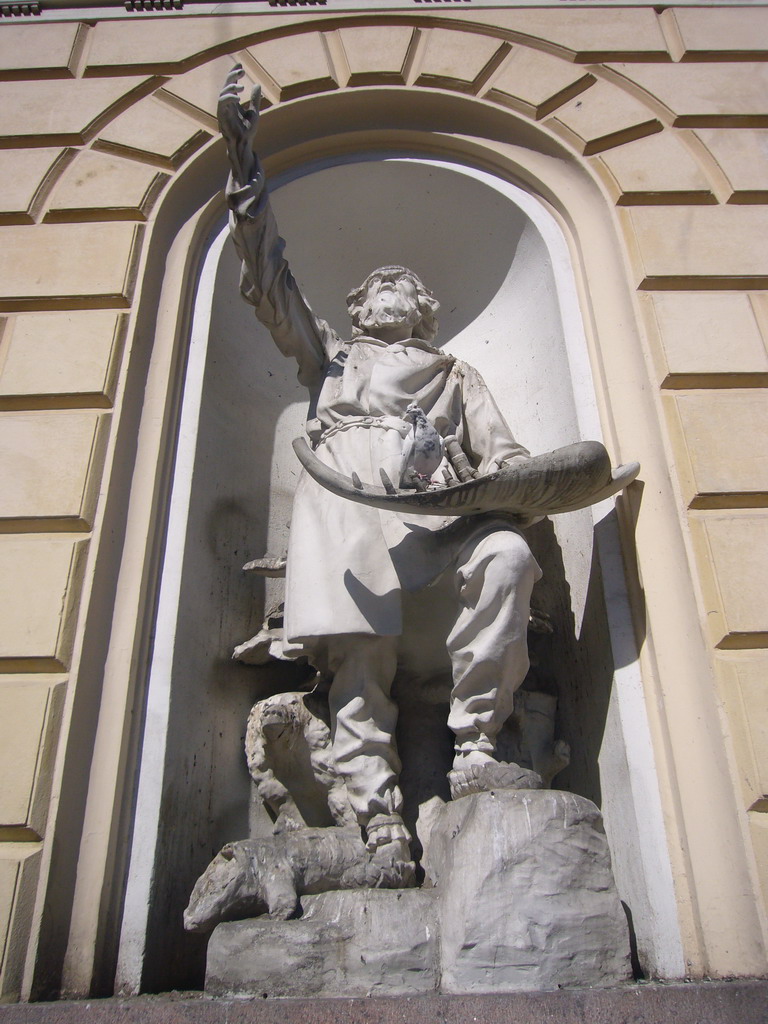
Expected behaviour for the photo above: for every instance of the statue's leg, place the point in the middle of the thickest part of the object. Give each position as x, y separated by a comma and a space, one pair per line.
363, 720
488, 643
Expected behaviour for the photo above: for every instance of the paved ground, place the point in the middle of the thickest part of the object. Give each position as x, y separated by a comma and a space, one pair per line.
734, 1002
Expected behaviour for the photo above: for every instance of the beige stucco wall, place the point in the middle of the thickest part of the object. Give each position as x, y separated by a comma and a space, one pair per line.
660, 117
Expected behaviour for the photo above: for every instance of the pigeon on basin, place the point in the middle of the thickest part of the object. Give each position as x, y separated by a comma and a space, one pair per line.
422, 450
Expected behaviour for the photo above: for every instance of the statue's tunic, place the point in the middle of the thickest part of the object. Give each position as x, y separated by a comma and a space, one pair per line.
347, 562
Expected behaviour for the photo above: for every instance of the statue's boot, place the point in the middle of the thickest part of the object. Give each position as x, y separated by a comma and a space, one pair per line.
388, 845
386, 828
490, 775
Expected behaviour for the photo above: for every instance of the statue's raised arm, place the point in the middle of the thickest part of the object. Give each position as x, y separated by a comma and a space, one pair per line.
238, 125
266, 281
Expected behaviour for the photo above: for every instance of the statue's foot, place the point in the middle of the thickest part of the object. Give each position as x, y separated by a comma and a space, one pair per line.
388, 846
386, 828
466, 779
471, 758
394, 864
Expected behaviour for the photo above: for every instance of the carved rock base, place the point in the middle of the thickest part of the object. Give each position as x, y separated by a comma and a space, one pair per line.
527, 897
523, 899
359, 943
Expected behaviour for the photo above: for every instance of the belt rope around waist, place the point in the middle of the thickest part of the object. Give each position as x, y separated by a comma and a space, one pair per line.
387, 422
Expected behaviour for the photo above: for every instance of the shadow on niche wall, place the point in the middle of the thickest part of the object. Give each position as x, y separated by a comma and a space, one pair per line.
457, 233
577, 668
573, 665
247, 387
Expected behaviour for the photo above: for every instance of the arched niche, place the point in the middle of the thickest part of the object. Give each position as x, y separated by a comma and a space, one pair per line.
497, 260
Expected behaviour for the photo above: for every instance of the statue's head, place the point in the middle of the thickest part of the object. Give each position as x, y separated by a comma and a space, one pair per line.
392, 301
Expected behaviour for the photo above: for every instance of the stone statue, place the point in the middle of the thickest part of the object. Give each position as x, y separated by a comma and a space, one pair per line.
289, 755
348, 563
268, 875
412, 479
386, 405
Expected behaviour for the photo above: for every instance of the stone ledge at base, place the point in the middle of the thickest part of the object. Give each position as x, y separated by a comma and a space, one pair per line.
713, 1002
356, 943
524, 900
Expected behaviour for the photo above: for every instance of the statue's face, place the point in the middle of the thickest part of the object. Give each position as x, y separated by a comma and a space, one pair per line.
391, 308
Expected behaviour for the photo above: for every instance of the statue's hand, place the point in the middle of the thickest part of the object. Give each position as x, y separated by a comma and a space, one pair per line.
238, 123
235, 120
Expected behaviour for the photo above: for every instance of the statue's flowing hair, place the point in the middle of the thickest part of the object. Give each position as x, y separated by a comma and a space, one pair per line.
426, 328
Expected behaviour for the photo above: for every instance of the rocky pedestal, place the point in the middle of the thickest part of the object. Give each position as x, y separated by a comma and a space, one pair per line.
363, 942
527, 898
523, 899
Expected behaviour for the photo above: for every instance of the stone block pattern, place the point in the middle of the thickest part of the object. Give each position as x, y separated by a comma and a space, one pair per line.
30, 715
733, 549
667, 110
534, 82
